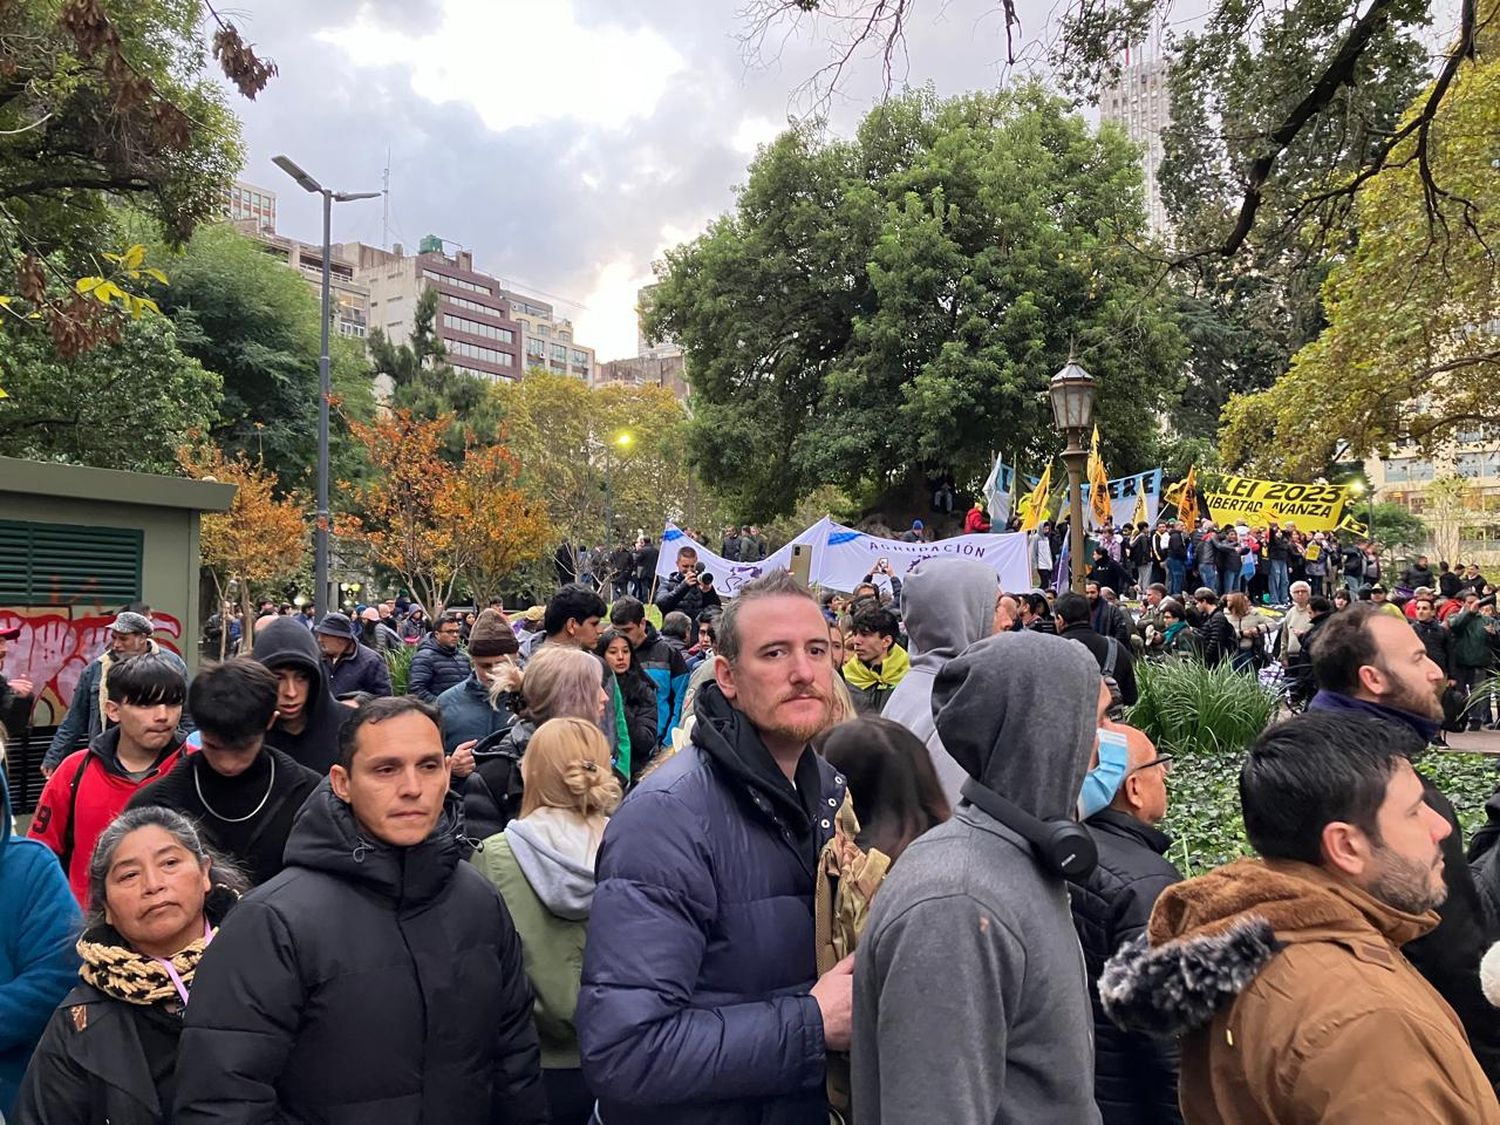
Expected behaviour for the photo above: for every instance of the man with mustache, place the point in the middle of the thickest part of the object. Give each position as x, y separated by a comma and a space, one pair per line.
1368, 662
700, 1001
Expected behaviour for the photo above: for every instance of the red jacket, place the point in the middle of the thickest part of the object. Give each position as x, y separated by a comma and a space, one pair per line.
976, 522
87, 791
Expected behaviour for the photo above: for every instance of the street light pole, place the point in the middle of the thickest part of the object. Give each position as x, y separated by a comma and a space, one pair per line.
325, 371
325, 390
1072, 393
1075, 456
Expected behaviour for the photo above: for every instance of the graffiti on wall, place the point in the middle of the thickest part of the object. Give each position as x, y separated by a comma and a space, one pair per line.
57, 643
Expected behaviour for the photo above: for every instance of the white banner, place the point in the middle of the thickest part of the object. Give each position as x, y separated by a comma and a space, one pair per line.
842, 557
730, 575
999, 490
849, 555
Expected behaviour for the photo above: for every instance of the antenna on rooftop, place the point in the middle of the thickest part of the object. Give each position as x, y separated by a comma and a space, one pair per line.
385, 191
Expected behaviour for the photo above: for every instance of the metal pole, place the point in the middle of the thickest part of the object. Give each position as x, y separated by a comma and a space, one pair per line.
325, 391
1074, 457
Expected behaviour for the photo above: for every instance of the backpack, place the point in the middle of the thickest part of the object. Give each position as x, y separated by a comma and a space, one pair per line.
848, 877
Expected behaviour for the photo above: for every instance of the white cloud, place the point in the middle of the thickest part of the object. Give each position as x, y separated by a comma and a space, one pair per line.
519, 63
753, 132
608, 325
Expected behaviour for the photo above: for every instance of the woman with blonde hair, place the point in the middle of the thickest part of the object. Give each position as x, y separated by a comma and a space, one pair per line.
558, 682
543, 866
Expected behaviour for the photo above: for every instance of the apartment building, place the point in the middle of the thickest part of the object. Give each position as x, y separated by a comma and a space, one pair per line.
1140, 102
1456, 492
473, 320
550, 343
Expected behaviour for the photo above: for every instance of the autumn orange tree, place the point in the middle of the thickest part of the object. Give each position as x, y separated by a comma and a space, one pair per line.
435, 523
502, 527
261, 540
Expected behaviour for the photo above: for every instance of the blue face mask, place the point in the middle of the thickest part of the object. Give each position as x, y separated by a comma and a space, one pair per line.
1102, 782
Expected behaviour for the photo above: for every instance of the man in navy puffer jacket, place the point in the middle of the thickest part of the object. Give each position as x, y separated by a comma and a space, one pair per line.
700, 1000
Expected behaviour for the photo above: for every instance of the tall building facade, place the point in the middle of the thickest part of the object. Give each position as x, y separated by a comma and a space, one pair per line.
349, 299
644, 349
1455, 492
255, 206
473, 318
645, 370
1140, 102
550, 343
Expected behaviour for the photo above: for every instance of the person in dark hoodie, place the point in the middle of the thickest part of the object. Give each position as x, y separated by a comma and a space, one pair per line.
970, 939
950, 604
1370, 663
91, 787
242, 793
308, 717
38, 964
377, 978
701, 1003
352, 666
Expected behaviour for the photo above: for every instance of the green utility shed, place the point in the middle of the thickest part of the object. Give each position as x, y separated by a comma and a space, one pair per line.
77, 544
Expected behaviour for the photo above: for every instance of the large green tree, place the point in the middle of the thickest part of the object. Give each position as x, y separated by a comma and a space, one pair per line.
1246, 315
1411, 351
129, 405
899, 301
1281, 84
244, 315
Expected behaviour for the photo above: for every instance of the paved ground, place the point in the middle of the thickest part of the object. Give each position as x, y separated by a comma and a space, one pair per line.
1476, 742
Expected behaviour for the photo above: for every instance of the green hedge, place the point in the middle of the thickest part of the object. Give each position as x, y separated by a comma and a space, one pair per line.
1206, 718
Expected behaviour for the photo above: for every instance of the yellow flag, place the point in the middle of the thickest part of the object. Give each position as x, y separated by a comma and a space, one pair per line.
1184, 494
1139, 516
1099, 503
1033, 507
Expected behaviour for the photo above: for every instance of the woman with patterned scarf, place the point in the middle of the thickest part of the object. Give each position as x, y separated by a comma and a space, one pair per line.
109, 1052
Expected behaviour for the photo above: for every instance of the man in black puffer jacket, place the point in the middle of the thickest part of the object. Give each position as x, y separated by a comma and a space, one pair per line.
1135, 1076
439, 663
377, 978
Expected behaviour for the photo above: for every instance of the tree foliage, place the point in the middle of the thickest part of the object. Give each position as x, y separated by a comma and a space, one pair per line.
423, 381
503, 527
582, 450
434, 523
1411, 348
252, 320
102, 100
1284, 73
128, 405
261, 540
902, 298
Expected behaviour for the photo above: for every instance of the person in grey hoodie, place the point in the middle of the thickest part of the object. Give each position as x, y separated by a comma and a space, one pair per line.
950, 604
970, 1000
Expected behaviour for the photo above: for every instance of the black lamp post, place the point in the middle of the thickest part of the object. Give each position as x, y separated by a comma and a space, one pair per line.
1072, 393
325, 380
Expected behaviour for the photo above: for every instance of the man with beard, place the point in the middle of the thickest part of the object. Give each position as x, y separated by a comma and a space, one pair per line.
700, 1000
1283, 975
1367, 662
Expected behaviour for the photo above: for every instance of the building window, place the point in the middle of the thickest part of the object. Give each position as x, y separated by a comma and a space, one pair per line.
474, 328
536, 347
580, 357
458, 282
472, 306
474, 351
559, 353
1473, 465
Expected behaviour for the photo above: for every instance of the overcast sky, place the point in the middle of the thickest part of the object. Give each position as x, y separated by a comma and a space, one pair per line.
567, 143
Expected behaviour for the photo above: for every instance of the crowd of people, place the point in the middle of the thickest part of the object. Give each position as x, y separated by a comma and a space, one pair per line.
886, 856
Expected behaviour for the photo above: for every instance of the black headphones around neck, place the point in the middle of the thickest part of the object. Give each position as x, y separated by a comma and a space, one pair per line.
1063, 847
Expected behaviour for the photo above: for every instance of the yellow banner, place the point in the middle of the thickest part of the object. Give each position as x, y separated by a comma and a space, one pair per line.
1311, 507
